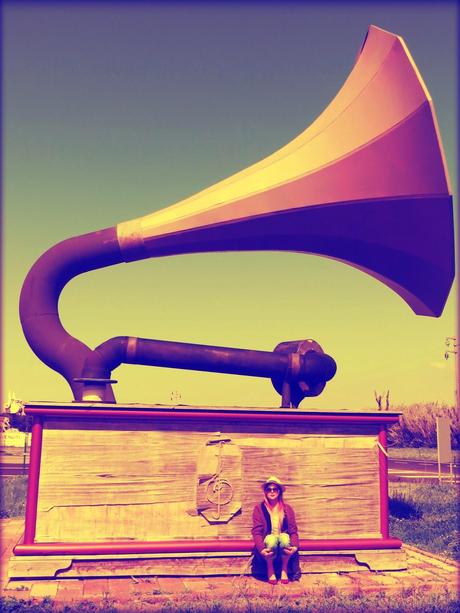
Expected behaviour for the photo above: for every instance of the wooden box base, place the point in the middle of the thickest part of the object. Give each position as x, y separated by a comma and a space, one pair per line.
169, 491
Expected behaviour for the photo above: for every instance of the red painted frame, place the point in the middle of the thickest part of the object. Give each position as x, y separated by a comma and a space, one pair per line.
33, 481
184, 414
29, 547
193, 546
383, 481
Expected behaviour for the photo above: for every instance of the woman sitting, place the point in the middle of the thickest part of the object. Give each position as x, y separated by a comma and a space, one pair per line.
274, 531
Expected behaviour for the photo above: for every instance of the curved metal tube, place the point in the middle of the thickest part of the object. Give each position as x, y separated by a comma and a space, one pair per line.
76, 361
38, 306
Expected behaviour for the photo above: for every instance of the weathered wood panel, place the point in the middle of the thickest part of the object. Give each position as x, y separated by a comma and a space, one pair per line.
194, 565
119, 480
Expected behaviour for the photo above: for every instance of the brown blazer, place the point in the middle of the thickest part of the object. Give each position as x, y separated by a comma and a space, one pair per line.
262, 525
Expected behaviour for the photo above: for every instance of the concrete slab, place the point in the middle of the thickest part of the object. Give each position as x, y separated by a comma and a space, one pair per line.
196, 584
95, 588
44, 589
171, 585
70, 591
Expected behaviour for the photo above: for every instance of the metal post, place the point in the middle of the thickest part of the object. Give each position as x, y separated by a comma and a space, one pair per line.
443, 443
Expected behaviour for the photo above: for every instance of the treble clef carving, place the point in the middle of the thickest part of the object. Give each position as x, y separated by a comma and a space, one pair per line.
219, 491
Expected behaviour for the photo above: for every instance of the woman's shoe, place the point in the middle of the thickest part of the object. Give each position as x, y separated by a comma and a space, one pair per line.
273, 580
284, 578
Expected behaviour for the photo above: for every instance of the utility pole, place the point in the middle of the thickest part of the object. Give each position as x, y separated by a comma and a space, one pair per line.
452, 348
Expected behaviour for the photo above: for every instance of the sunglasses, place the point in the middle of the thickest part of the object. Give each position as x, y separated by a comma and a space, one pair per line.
272, 489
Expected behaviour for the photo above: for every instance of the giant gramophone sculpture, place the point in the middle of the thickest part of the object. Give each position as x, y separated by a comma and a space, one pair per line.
366, 184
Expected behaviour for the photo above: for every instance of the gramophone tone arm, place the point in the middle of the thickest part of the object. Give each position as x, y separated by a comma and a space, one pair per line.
38, 307
308, 371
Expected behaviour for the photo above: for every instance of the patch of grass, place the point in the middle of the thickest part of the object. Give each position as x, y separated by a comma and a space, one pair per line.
13, 496
13, 605
426, 515
408, 601
47, 605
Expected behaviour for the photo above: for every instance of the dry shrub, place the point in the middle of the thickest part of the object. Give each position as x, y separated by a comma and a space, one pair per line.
13, 499
417, 425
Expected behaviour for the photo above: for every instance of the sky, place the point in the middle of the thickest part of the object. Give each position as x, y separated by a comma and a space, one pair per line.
113, 110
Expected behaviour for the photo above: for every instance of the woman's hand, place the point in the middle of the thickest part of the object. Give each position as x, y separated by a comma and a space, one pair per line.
267, 553
289, 550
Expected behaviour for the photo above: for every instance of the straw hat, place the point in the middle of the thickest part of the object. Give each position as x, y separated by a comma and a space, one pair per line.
275, 480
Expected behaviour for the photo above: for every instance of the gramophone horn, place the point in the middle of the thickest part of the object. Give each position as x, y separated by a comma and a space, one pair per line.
366, 184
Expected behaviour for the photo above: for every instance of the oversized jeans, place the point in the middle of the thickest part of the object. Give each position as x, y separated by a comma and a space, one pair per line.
277, 541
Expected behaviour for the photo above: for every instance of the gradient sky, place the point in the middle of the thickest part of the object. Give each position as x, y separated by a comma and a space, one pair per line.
114, 110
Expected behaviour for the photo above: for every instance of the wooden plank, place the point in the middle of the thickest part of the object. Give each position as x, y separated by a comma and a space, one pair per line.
101, 523
194, 565
383, 559
115, 466
54, 567
37, 566
223, 426
334, 563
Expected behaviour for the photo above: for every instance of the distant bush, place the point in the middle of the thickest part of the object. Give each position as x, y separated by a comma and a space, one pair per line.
13, 496
21, 422
402, 508
417, 425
